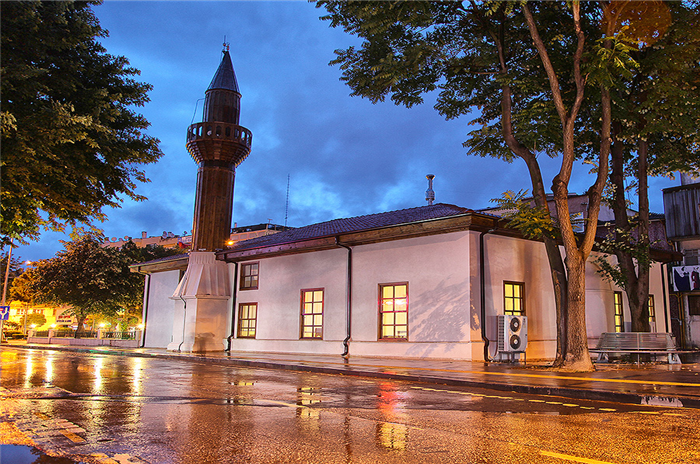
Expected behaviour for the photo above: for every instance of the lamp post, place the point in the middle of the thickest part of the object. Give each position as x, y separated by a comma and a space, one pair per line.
4, 288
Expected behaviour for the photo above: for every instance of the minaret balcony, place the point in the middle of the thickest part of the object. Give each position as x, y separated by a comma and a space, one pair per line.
212, 140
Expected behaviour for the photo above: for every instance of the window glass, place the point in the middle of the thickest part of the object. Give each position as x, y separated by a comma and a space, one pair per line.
694, 305
652, 310
312, 313
619, 316
247, 320
393, 311
249, 276
513, 298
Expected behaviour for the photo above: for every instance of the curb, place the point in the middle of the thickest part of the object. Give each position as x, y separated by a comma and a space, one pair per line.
574, 393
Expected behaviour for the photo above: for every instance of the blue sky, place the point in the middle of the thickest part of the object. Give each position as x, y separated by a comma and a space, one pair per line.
344, 156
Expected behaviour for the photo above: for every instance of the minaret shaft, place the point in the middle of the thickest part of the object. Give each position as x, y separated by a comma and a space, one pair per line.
213, 207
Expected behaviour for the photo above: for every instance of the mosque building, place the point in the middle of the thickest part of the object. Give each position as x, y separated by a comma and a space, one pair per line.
434, 281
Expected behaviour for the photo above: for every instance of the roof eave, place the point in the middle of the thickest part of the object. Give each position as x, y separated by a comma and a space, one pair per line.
470, 220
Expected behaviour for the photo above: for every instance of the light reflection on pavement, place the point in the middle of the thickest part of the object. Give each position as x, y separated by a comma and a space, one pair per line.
111, 409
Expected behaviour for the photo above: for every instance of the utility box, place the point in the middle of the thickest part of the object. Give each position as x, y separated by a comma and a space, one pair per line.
512, 334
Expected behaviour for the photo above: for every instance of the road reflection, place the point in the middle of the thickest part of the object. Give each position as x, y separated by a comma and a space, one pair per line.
390, 434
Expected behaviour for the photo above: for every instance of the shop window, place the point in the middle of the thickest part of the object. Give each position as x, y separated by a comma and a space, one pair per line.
393, 311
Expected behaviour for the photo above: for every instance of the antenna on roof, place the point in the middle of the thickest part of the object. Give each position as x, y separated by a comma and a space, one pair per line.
226, 45
429, 194
286, 207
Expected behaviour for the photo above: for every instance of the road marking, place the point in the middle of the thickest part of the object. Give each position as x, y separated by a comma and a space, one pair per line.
282, 403
608, 409
72, 437
538, 376
567, 457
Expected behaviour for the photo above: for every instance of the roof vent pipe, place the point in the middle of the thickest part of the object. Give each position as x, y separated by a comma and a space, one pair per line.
430, 194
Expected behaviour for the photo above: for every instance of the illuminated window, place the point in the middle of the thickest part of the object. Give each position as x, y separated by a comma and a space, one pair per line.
249, 276
247, 320
312, 313
619, 317
513, 298
393, 311
652, 311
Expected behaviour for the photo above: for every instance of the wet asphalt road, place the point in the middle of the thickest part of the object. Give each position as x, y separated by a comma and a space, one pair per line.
113, 409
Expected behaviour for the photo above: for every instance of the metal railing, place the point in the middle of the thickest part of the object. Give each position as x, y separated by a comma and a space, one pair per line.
123, 335
99, 334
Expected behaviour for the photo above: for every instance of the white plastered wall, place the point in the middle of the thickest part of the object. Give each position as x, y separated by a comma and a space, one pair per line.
516, 260
159, 323
435, 267
442, 272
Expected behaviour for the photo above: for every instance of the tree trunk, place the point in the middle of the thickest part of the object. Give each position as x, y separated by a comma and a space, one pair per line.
635, 272
577, 357
81, 321
640, 313
556, 264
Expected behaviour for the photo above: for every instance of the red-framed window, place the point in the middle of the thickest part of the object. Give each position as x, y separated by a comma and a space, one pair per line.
249, 276
619, 315
312, 313
393, 311
514, 298
247, 320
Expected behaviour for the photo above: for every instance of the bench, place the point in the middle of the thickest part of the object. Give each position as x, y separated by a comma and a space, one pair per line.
653, 343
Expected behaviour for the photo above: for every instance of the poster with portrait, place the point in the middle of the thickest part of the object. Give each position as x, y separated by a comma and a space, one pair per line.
686, 278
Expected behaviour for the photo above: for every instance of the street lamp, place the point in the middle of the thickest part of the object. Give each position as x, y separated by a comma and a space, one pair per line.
4, 288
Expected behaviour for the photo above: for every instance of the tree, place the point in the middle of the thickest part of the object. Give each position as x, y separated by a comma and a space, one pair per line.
93, 280
655, 132
15, 269
522, 66
36, 319
71, 141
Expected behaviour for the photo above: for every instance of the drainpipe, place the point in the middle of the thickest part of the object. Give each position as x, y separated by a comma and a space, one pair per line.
184, 321
482, 285
145, 310
348, 302
664, 272
233, 306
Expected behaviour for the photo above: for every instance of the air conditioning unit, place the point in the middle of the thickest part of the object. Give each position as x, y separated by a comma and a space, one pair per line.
512, 334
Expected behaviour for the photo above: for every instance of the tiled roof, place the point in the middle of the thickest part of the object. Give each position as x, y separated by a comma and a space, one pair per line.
162, 260
353, 224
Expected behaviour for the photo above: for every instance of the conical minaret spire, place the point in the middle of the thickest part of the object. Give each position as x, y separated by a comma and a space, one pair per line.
218, 144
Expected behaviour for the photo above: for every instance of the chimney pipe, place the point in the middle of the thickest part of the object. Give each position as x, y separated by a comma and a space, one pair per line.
430, 194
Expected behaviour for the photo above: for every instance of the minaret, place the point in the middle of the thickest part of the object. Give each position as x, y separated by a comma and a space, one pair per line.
218, 144
202, 299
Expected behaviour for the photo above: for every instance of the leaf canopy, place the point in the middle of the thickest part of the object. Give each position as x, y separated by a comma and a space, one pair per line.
72, 142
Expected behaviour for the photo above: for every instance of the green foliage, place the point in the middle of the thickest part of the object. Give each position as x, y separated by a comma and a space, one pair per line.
71, 141
534, 222
448, 49
36, 319
89, 278
619, 240
15, 270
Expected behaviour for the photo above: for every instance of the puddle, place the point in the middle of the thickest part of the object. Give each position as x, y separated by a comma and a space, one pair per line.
22, 454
